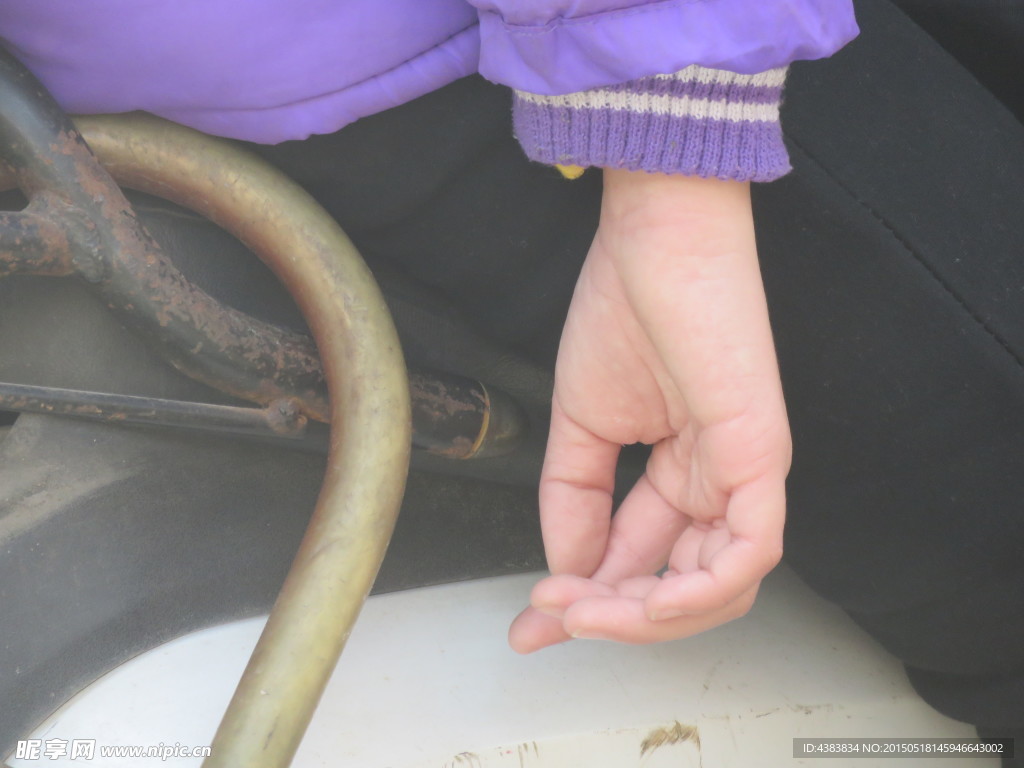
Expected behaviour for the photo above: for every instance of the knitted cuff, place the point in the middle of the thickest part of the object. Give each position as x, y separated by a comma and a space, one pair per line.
697, 122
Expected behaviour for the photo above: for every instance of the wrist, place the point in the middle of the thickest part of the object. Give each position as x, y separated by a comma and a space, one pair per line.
645, 204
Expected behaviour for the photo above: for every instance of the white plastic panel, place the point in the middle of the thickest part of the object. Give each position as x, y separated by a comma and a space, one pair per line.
428, 681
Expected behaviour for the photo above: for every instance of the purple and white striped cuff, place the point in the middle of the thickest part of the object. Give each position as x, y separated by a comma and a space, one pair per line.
697, 122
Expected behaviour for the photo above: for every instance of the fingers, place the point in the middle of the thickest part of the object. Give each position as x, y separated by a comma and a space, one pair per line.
721, 568
716, 565
576, 495
553, 596
572, 607
641, 538
541, 625
714, 576
532, 630
642, 535
625, 619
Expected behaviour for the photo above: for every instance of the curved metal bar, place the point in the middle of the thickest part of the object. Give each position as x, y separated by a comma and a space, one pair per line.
366, 379
344, 545
362, 363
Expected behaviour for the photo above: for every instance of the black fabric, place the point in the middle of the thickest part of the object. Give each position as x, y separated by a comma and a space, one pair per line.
986, 36
893, 263
892, 258
440, 190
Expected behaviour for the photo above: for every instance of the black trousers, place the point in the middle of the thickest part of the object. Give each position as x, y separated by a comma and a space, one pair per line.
893, 258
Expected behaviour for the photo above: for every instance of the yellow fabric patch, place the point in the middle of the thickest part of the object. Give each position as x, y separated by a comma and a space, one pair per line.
571, 171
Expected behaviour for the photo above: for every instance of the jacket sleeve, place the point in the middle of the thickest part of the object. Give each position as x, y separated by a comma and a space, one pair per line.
697, 122
591, 87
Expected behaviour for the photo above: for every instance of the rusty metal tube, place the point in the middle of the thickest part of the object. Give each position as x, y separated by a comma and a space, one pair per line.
32, 242
281, 418
370, 434
79, 223
77, 218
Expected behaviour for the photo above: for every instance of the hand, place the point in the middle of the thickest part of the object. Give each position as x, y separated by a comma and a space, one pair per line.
667, 343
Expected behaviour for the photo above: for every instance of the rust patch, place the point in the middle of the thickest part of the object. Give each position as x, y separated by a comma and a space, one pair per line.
33, 241
440, 400
676, 733
449, 413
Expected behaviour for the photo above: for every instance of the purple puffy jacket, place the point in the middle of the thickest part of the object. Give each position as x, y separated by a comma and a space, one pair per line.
272, 70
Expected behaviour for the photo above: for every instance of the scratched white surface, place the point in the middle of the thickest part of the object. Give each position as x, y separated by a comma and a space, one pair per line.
427, 681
